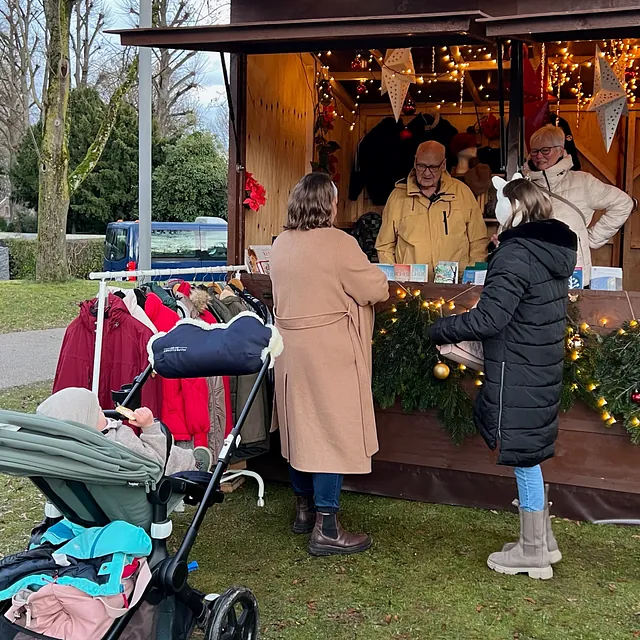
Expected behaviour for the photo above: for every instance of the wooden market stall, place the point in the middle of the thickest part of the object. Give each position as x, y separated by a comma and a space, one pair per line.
468, 67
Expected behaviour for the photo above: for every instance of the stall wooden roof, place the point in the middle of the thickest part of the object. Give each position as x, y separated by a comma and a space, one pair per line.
316, 35
591, 24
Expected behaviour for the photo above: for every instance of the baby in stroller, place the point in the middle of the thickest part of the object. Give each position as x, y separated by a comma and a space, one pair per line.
155, 440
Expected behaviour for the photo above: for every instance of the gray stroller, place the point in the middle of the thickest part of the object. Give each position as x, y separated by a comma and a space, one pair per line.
92, 481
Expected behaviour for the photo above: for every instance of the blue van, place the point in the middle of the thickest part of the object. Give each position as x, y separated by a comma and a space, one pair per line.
174, 245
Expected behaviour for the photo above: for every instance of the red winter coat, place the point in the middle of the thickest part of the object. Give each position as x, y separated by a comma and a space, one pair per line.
185, 402
208, 317
124, 354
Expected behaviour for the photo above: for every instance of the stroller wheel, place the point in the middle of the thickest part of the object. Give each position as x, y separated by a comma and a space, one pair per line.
234, 616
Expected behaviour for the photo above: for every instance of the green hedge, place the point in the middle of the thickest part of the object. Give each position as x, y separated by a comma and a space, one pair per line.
84, 256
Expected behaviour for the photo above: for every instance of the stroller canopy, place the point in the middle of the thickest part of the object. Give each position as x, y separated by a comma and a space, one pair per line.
85, 475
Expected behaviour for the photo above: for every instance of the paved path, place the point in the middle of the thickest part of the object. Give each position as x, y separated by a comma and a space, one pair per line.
29, 356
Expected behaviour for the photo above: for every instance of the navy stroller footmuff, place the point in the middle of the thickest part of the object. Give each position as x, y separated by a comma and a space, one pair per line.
195, 349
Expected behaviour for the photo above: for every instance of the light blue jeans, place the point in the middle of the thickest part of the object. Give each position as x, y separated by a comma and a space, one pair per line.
530, 488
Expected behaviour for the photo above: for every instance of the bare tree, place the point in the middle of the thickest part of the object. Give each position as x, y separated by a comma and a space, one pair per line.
86, 38
56, 186
20, 63
177, 74
217, 119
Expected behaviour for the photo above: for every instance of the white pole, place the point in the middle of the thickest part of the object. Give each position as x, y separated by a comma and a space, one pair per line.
144, 144
157, 273
97, 354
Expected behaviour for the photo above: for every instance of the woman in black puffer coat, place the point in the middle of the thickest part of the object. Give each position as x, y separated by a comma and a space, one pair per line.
521, 321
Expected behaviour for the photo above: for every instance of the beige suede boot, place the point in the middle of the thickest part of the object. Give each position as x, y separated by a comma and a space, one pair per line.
530, 554
554, 552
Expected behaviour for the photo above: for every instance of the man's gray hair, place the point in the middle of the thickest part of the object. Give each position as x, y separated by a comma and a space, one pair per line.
548, 136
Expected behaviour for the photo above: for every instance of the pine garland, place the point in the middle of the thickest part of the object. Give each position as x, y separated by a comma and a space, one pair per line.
601, 371
404, 358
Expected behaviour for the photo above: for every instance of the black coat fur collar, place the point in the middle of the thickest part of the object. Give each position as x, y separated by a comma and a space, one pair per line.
551, 231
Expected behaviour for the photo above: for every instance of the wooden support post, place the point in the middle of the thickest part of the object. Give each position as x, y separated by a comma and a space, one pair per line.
515, 129
629, 257
237, 158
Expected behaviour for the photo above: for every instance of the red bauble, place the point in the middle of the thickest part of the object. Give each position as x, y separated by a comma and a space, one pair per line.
635, 397
359, 63
405, 134
409, 107
361, 89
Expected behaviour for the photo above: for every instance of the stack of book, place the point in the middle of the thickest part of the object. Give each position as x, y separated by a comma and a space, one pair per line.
405, 272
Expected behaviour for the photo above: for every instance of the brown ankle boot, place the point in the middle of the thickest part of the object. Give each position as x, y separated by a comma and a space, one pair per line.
305, 517
329, 538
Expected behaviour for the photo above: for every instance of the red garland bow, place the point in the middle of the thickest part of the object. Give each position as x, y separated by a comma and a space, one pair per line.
255, 192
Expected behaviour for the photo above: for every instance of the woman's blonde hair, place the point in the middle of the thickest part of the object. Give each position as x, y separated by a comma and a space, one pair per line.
547, 136
311, 203
528, 202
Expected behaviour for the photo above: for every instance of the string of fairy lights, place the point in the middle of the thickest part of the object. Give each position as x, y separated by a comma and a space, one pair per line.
562, 67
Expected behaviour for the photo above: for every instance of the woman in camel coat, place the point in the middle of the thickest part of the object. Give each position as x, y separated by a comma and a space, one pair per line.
324, 290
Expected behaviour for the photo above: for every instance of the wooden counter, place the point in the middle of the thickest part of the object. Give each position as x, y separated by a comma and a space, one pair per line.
595, 473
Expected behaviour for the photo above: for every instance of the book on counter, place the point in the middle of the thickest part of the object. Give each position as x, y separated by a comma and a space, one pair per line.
576, 281
606, 279
402, 272
388, 270
446, 273
257, 258
419, 273
475, 274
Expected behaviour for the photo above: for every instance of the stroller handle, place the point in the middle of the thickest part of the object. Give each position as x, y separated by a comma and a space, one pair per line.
230, 445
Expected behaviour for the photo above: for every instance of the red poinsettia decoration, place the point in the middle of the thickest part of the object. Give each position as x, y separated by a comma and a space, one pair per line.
255, 192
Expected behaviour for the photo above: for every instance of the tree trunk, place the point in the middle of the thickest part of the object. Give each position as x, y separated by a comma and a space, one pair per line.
53, 204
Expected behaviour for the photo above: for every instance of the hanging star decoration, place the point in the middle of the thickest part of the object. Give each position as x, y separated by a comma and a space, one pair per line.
609, 98
398, 72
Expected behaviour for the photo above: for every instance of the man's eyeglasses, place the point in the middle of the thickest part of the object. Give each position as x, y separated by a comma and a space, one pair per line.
432, 168
545, 151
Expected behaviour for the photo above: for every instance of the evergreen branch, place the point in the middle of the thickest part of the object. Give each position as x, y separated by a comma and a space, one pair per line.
92, 157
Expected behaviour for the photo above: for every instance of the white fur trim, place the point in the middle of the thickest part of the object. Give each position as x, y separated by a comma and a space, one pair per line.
275, 348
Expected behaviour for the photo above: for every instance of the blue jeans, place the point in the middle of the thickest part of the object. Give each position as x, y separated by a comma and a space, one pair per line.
530, 488
323, 488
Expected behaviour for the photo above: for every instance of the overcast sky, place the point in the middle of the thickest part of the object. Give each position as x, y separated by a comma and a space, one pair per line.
212, 81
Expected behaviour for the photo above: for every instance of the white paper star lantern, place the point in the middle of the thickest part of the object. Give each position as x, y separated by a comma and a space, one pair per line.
609, 99
398, 73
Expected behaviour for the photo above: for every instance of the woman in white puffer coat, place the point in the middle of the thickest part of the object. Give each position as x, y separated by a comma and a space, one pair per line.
549, 167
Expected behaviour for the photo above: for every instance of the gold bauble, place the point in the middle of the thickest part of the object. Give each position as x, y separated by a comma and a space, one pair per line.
441, 371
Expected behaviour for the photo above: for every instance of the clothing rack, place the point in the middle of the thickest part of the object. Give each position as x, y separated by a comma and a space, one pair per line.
106, 276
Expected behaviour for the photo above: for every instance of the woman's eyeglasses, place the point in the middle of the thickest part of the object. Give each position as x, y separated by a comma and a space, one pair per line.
545, 151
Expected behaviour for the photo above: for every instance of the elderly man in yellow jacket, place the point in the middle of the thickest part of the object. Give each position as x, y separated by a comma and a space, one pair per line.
432, 217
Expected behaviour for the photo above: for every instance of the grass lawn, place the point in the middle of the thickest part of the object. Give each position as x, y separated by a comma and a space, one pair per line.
27, 306
425, 578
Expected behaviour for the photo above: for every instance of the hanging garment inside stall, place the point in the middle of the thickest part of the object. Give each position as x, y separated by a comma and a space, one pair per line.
386, 154
185, 402
124, 353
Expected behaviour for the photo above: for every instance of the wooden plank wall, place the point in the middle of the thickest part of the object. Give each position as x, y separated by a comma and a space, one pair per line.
280, 104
